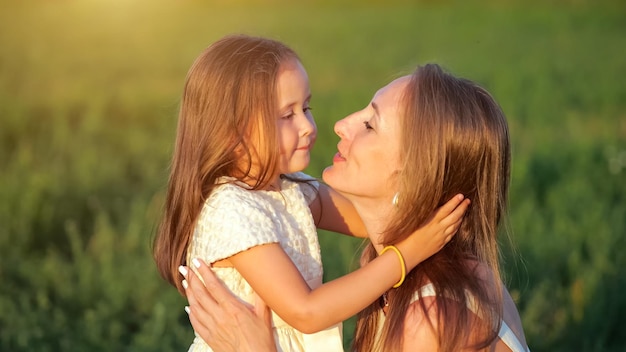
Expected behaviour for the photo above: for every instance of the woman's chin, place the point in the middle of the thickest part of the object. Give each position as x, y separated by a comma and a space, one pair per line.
327, 176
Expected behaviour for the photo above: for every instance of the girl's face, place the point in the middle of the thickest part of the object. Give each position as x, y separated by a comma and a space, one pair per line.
369, 149
295, 125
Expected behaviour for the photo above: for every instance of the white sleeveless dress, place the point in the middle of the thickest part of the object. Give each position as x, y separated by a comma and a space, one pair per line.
235, 219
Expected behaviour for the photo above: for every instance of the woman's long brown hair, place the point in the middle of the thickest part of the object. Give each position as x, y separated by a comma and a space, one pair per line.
456, 140
226, 127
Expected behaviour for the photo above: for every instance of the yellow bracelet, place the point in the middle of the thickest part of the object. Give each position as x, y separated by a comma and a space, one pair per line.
402, 264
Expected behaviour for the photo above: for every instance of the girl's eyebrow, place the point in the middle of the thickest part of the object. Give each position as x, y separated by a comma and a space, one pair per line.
291, 104
308, 98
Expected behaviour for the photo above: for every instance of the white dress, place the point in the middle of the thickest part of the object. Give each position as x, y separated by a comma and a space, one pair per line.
235, 218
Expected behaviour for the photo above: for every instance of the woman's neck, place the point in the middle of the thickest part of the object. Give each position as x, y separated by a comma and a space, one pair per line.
375, 215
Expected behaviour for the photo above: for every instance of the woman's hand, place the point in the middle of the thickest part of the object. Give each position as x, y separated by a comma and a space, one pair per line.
224, 322
435, 234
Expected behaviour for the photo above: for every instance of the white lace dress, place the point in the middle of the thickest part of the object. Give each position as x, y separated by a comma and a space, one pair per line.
235, 219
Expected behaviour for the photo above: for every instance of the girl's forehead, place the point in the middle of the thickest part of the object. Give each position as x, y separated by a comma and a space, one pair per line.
290, 63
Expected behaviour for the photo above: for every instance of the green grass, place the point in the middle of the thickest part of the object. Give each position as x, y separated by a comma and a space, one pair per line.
88, 100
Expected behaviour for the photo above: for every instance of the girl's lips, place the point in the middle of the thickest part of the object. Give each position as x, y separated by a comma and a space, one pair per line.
306, 147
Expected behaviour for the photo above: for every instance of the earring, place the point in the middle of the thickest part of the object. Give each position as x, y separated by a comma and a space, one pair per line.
394, 201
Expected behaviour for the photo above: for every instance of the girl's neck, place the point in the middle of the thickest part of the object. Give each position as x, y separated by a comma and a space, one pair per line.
274, 184
249, 171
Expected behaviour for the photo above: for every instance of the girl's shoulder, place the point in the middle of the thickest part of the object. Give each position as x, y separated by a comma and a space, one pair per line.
231, 197
307, 185
234, 207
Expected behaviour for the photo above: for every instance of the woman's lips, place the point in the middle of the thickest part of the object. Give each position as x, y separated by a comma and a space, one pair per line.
338, 158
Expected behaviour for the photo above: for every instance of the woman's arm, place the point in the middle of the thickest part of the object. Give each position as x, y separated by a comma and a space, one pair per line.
224, 322
274, 277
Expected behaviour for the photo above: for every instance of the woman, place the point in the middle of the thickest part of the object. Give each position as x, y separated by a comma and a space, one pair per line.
449, 136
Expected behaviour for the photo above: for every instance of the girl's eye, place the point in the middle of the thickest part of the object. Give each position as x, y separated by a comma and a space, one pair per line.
367, 125
291, 114
287, 117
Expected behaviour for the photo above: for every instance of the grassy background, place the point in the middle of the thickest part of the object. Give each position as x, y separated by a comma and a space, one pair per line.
88, 100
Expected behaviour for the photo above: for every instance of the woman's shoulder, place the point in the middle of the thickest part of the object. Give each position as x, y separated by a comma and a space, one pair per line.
484, 274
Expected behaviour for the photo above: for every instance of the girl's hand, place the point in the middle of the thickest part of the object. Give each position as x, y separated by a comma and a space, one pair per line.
435, 234
224, 322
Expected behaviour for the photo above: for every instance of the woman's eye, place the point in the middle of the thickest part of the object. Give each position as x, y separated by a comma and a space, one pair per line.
367, 125
307, 109
288, 116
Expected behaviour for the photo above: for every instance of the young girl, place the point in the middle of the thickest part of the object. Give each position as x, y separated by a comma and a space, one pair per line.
237, 199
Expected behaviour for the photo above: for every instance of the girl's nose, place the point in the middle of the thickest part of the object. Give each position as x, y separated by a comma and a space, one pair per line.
308, 126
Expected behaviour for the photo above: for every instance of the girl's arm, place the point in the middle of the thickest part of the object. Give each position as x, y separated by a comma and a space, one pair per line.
334, 212
274, 277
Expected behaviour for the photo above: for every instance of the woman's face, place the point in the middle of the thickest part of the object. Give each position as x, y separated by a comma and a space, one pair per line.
369, 149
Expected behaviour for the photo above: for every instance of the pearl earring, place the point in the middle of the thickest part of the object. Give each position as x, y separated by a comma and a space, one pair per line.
394, 201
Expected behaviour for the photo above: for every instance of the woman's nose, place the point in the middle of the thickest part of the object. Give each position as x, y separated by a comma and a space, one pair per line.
344, 128
341, 127
337, 128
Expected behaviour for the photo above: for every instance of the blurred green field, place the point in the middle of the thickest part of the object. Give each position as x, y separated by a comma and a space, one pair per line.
88, 102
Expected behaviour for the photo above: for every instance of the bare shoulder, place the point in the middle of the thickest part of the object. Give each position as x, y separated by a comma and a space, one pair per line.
419, 333
510, 314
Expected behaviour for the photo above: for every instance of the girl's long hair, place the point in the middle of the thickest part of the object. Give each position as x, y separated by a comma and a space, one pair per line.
456, 140
226, 127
